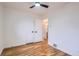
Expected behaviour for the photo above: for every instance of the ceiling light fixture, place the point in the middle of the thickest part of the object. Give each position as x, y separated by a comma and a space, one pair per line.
37, 4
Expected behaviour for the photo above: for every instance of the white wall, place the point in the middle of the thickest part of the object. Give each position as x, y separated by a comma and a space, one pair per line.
1, 28
64, 28
19, 26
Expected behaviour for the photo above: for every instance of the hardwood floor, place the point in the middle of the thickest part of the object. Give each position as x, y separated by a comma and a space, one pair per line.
33, 49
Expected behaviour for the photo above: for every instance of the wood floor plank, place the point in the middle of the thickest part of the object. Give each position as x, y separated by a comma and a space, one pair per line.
33, 49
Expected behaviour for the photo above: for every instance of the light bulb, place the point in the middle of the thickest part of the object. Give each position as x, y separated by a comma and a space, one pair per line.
37, 4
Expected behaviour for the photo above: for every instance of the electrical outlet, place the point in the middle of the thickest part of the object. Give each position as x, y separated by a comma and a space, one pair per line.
55, 45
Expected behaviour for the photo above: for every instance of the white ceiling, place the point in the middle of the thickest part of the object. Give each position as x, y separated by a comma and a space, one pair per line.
37, 10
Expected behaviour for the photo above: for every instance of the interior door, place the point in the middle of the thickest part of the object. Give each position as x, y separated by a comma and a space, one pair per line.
30, 30
37, 35
24, 30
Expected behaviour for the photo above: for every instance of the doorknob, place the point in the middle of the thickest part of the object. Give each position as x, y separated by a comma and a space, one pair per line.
35, 31
32, 31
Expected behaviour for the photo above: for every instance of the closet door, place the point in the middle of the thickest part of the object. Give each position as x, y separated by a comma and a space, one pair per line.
25, 30
30, 30
37, 35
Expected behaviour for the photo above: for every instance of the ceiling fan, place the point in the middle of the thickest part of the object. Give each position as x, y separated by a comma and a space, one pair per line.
39, 4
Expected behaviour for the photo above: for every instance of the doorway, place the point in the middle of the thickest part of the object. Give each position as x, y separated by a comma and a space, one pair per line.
45, 29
